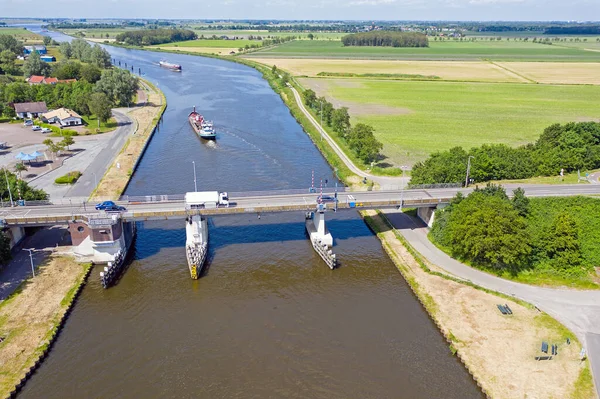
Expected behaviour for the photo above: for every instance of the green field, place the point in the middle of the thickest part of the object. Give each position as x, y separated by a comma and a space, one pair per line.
22, 34
437, 115
446, 50
96, 33
265, 34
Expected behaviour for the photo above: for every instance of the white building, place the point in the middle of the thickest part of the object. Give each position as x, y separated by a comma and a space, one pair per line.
64, 117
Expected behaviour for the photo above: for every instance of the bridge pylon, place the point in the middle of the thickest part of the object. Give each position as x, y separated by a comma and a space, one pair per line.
320, 237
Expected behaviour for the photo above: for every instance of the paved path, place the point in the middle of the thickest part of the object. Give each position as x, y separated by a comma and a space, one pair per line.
95, 159
578, 310
386, 183
19, 268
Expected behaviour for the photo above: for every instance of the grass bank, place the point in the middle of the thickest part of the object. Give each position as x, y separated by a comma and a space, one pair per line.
30, 317
115, 180
489, 344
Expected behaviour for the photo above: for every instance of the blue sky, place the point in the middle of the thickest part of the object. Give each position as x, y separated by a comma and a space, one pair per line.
508, 10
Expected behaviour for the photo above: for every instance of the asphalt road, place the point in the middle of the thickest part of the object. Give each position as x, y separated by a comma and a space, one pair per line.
578, 310
75, 205
87, 182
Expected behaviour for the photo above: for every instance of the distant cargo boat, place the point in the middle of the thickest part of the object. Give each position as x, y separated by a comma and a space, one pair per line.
202, 127
168, 65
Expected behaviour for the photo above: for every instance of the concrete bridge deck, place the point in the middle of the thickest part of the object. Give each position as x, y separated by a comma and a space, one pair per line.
166, 208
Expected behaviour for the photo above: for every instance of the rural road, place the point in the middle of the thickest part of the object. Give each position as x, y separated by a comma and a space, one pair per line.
577, 310
383, 181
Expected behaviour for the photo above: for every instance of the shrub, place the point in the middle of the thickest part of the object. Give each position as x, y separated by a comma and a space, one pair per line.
69, 178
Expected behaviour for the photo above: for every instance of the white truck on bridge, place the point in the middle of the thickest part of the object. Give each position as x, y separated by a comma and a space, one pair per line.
205, 199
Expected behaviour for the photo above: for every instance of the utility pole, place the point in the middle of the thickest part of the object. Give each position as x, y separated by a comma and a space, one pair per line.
31, 259
95, 181
195, 185
8, 186
468, 170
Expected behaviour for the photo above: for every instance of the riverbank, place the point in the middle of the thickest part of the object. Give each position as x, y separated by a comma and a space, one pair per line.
499, 351
30, 317
146, 117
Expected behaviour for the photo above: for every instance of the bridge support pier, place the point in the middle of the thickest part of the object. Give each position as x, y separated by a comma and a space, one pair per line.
102, 238
427, 214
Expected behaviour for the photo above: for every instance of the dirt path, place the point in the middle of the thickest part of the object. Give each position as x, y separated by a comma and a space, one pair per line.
498, 350
28, 317
116, 178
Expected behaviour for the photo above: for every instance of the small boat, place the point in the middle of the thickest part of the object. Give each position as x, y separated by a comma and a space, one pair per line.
168, 65
202, 127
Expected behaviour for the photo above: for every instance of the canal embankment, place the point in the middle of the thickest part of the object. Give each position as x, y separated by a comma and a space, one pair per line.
498, 350
33, 316
146, 117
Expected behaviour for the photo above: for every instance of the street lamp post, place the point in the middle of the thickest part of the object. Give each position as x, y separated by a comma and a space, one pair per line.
31, 259
468, 170
195, 185
403, 167
8, 186
321, 120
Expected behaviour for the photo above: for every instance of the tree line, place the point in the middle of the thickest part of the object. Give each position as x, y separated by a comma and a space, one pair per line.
386, 39
551, 236
146, 37
573, 30
114, 87
568, 147
360, 137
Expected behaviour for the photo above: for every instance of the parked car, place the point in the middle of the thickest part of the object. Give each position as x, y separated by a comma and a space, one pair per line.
27, 122
109, 206
46, 130
35, 128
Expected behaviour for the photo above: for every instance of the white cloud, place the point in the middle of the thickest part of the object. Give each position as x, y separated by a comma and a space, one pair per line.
487, 2
371, 2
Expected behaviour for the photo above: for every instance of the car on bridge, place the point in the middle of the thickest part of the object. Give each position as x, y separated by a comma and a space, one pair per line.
326, 198
109, 206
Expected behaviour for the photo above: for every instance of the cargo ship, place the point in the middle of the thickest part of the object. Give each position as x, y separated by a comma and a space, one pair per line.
202, 127
168, 65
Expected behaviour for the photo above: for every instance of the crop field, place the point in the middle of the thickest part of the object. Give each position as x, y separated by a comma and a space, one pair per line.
557, 72
22, 34
446, 50
448, 70
416, 118
96, 33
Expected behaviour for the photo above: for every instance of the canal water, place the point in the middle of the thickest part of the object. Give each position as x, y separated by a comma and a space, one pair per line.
268, 318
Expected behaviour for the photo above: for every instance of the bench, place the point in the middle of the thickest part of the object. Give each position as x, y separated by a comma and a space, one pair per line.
505, 310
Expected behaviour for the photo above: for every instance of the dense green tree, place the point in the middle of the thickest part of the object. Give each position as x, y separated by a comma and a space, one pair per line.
100, 105
362, 140
65, 49
67, 70
441, 167
310, 98
47, 40
520, 201
100, 57
19, 168
27, 192
274, 70
67, 141
118, 85
487, 230
563, 242
34, 65
340, 121
9, 42
7, 62
90, 73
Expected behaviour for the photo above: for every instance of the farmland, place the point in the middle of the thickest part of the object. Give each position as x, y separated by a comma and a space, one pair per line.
25, 36
446, 50
416, 118
205, 43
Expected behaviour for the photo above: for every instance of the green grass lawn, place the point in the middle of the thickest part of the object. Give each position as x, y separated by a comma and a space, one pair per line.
446, 50
96, 33
219, 43
441, 115
91, 123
